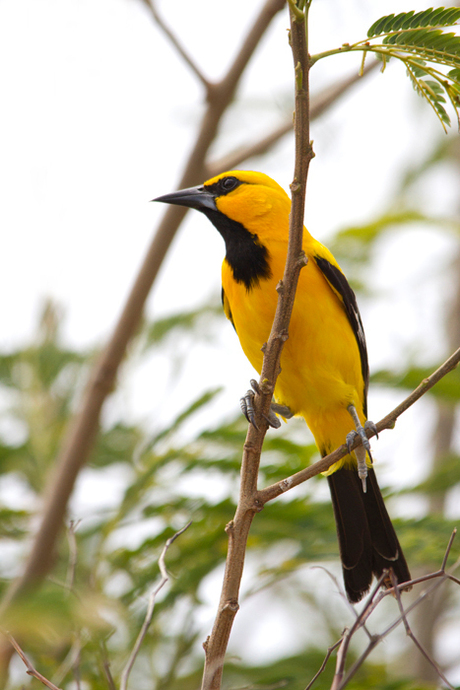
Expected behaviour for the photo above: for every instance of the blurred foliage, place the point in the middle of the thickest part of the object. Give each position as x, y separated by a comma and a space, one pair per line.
88, 614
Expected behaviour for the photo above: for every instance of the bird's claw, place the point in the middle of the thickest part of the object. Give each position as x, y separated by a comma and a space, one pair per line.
372, 427
359, 433
277, 409
247, 408
363, 450
350, 438
282, 410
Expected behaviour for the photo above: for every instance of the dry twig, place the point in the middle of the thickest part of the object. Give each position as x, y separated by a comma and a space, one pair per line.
237, 530
388, 422
149, 615
31, 671
341, 679
320, 103
410, 634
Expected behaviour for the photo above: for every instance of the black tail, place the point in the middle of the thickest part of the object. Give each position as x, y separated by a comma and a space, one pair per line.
367, 539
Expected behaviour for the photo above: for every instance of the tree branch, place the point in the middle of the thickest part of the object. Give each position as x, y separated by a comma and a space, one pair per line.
149, 615
340, 681
177, 45
238, 529
387, 422
319, 104
31, 671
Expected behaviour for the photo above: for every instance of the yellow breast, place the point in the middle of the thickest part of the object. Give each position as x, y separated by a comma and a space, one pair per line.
320, 363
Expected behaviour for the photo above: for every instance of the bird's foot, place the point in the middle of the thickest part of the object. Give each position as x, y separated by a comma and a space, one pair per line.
247, 408
364, 449
372, 427
247, 403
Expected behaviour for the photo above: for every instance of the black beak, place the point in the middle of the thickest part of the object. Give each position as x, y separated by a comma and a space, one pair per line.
193, 197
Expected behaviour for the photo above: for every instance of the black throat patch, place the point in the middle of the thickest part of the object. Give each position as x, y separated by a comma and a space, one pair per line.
247, 258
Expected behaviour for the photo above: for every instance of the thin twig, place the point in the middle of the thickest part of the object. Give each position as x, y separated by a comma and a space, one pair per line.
238, 529
325, 660
177, 44
387, 422
441, 576
30, 670
106, 666
319, 104
346, 639
70, 660
449, 546
149, 615
72, 541
410, 634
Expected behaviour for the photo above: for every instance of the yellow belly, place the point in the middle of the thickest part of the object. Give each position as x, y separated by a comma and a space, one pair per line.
320, 363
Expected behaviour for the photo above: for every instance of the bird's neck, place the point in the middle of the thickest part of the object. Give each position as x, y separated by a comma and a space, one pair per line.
247, 257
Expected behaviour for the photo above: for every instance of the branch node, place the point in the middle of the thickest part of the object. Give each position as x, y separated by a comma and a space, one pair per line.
283, 335
302, 260
230, 527
299, 76
258, 505
280, 288
266, 387
231, 605
295, 187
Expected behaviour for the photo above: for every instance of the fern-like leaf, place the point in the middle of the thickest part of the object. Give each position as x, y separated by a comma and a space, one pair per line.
432, 91
433, 44
429, 18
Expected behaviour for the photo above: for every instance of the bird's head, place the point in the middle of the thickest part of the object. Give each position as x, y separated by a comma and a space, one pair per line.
251, 199
250, 210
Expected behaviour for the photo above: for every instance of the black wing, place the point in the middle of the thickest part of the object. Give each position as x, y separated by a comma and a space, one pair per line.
337, 280
226, 306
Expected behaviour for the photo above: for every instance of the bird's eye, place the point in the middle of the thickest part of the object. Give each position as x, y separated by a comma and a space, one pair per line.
229, 183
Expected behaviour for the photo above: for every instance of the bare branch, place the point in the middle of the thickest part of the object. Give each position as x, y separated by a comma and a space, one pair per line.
410, 634
70, 661
216, 645
149, 615
441, 576
31, 671
72, 553
387, 422
323, 665
106, 667
319, 104
177, 45
348, 634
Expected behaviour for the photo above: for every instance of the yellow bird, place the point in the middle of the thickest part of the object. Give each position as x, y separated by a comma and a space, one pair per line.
324, 369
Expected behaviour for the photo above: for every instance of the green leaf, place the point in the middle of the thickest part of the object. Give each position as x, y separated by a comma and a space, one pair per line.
433, 95
447, 389
410, 20
445, 476
157, 332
